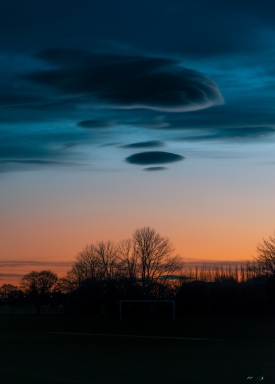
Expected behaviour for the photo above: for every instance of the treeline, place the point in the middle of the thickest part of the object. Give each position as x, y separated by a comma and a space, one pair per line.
146, 267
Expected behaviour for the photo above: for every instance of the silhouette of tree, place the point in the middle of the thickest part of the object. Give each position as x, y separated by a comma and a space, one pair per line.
96, 272
39, 282
131, 268
128, 259
10, 295
96, 262
38, 285
7, 291
265, 260
64, 285
149, 257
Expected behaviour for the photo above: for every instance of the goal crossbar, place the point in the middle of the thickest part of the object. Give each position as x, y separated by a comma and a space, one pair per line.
147, 301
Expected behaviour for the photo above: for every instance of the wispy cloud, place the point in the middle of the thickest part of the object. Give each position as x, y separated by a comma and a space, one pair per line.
34, 263
145, 144
154, 169
233, 134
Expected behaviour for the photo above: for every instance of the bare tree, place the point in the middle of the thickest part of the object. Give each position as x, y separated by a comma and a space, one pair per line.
9, 294
38, 285
149, 258
128, 259
87, 265
265, 261
96, 262
155, 254
107, 252
142, 262
64, 285
7, 291
96, 270
39, 282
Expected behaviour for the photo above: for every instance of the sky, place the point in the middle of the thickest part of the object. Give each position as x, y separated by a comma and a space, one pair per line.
116, 115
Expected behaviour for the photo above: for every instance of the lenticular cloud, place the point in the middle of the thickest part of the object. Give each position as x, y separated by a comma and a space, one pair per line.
153, 157
127, 82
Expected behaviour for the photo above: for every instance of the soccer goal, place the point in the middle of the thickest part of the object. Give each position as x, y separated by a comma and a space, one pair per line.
153, 305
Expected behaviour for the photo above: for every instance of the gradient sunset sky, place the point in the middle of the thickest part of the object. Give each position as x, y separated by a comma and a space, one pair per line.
122, 114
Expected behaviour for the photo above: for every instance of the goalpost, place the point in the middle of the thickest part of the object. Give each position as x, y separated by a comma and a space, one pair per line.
148, 301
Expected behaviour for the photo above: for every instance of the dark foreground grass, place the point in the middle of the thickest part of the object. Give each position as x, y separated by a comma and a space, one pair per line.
30, 353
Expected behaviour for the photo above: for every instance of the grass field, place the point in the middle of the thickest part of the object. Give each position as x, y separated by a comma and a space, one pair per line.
31, 353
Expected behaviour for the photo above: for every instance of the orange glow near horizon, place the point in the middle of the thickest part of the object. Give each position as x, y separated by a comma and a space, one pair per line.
49, 217
55, 246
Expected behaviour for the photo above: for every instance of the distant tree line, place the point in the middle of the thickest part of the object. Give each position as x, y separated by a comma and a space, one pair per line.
145, 266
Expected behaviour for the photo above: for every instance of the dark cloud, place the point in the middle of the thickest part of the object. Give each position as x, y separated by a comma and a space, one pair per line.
93, 124
153, 169
127, 81
154, 157
145, 144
